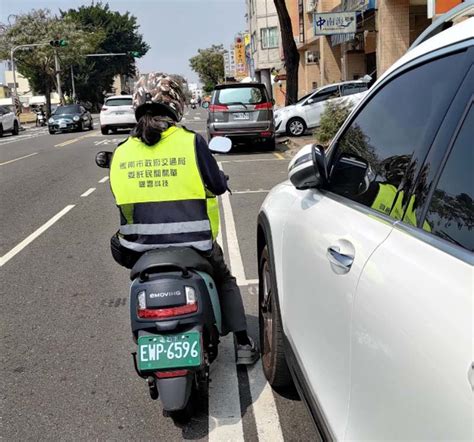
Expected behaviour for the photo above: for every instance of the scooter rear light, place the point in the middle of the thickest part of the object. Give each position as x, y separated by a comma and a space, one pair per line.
171, 374
159, 313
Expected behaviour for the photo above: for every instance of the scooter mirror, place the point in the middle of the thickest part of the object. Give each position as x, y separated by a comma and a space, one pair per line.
103, 159
220, 145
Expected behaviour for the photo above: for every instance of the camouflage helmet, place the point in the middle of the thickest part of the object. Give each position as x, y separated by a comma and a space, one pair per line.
158, 90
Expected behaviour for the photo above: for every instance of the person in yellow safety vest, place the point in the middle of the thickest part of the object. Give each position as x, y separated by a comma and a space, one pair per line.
165, 181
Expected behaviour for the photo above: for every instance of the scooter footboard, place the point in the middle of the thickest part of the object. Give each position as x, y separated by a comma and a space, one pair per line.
175, 392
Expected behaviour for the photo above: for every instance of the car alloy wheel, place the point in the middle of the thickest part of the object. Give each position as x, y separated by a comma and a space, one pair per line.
296, 127
266, 326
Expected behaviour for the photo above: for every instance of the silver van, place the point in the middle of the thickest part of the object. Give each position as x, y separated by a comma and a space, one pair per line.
243, 112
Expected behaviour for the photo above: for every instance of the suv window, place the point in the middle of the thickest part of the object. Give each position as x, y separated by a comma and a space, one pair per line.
397, 121
325, 94
353, 88
451, 211
238, 95
118, 102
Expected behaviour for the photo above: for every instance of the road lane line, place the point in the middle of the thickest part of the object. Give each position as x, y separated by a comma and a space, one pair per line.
73, 140
5, 258
87, 192
240, 192
103, 180
263, 401
19, 158
264, 407
279, 155
225, 423
233, 248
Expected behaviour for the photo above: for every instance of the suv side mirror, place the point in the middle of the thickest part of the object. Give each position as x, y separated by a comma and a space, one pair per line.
308, 169
310, 101
103, 159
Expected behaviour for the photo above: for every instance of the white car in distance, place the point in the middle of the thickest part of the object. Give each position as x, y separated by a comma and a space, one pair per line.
8, 121
296, 119
366, 258
117, 113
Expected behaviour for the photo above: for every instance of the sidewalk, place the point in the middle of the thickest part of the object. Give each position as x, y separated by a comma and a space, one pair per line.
290, 146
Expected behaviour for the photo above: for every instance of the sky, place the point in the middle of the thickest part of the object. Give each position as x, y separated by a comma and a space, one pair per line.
175, 29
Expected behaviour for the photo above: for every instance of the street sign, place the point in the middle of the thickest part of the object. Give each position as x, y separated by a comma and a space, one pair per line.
334, 23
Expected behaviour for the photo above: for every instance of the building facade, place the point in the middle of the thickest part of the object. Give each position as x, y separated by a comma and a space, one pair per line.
264, 30
385, 29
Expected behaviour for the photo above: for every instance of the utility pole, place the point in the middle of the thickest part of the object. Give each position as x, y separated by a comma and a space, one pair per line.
73, 85
58, 76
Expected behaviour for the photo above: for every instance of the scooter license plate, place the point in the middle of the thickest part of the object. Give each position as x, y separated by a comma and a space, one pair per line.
157, 352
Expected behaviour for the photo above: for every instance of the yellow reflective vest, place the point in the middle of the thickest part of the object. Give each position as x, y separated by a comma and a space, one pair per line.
161, 195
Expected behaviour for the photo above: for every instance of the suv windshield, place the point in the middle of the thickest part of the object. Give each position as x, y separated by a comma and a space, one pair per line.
119, 102
241, 95
68, 110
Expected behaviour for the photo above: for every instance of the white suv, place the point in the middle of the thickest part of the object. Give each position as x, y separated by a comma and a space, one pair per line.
117, 113
366, 258
8, 121
295, 119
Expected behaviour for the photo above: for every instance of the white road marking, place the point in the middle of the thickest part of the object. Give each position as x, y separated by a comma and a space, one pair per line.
19, 158
5, 258
225, 423
235, 257
103, 180
263, 401
264, 407
197, 118
87, 192
239, 192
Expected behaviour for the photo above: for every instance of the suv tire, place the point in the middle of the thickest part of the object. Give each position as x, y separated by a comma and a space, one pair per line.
104, 130
271, 330
16, 128
296, 127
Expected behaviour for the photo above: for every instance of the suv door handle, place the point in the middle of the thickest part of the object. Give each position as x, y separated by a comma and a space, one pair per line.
339, 259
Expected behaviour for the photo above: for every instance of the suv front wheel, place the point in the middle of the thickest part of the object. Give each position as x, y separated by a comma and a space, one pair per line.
271, 330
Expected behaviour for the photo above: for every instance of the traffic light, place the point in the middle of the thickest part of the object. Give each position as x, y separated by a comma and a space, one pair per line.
134, 53
58, 43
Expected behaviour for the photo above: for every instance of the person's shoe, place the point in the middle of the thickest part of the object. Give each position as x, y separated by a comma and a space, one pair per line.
247, 354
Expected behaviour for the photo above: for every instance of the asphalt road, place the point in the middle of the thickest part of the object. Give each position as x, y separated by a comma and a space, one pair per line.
66, 367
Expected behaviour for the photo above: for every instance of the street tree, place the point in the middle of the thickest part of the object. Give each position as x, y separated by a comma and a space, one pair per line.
37, 64
96, 75
290, 52
209, 65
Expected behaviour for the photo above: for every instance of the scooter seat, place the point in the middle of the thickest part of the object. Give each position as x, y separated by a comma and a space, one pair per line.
184, 257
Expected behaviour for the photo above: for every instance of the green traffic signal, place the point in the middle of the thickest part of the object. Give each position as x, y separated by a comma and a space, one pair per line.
134, 53
59, 43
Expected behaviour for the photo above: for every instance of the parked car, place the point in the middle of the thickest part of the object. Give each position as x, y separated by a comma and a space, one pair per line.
296, 119
117, 113
8, 121
366, 258
243, 112
70, 117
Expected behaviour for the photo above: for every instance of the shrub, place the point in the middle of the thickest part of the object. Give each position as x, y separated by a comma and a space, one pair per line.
335, 113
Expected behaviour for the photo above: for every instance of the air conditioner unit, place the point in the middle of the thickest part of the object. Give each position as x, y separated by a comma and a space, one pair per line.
312, 57
311, 5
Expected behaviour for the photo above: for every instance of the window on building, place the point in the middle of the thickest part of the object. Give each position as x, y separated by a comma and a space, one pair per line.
312, 57
451, 211
375, 151
269, 37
